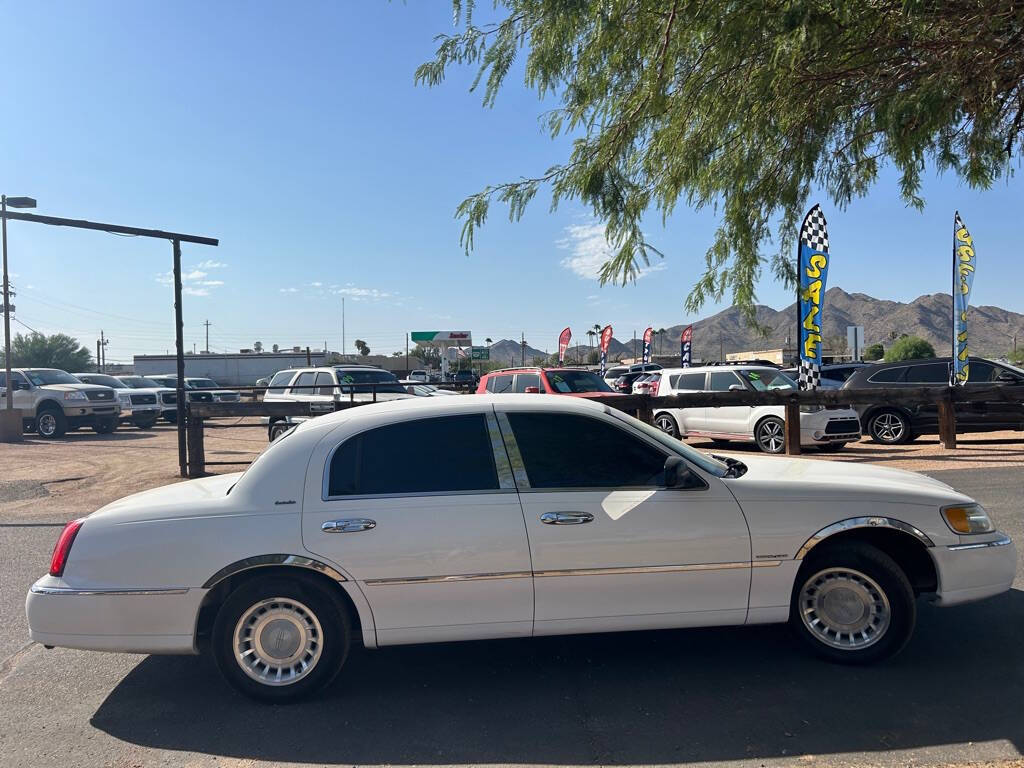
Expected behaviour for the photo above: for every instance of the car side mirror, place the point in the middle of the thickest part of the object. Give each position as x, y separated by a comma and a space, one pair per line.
737, 388
678, 473
532, 390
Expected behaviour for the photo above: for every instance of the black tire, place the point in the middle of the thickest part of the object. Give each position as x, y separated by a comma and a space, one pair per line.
51, 423
858, 576
831, 447
666, 423
104, 426
144, 422
719, 443
277, 429
889, 427
171, 417
300, 599
769, 435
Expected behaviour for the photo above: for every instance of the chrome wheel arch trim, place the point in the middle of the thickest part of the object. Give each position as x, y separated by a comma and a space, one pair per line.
862, 522
263, 561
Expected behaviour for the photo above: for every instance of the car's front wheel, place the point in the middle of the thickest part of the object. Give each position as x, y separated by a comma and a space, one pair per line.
104, 426
889, 428
280, 639
277, 429
853, 604
51, 423
770, 435
144, 422
667, 424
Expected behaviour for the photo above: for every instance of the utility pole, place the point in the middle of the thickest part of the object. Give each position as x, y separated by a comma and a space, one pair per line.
343, 325
406, 354
103, 351
207, 324
522, 349
99, 367
634, 346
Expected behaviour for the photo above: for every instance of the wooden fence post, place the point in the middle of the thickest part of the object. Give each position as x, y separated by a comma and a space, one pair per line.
792, 429
196, 448
947, 422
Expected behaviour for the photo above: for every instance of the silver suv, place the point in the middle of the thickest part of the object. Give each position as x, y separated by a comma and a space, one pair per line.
52, 402
320, 387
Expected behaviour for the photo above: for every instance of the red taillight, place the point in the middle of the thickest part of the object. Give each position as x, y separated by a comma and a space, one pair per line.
654, 387
63, 548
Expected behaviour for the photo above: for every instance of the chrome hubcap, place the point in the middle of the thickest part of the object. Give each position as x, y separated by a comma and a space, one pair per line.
844, 609
665, 425
278, 641
47, 424
888, 427
771, 437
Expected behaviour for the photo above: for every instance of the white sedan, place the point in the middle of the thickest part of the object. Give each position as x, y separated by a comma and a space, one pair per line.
535, 515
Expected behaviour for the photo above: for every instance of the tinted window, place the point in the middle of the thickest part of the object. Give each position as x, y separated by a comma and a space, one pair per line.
499, 384
524, 380
305, 380
930, 373
278, 383
888, 375
457, 456
722, 380
566, 451
981, 373
43, 376
577, 381
324, 383
694, 381
763, 380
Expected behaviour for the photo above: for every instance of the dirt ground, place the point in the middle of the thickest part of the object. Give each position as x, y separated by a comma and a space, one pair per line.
83, 471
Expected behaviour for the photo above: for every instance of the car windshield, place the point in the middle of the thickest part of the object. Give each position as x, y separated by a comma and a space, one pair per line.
139, 382
202, 383
361, 381
577, 381
103, 380
43, 376
707, 463
767, 379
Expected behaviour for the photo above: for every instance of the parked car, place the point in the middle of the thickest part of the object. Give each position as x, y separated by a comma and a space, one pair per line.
896, 424
326, 540
219, 395
611, 374
577, 382
647, 384
319, 386
419, 376
140, 407
624, 383
829, 429
52, 402
171, 382
166, 396
465, 376
415, 387
832, 375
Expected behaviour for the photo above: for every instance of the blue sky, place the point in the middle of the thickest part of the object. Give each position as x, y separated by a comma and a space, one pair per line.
295, 134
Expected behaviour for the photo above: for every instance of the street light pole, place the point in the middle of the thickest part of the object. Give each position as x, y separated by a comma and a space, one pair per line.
8, 383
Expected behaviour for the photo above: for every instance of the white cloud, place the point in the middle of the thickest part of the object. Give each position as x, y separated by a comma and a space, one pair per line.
193, 282
317, 284
211, 283
189, 291
361, 294
589, 250
211, 264
289, 290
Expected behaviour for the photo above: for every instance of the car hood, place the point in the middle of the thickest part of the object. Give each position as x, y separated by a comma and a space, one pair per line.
804, 479
74, 387
170, 501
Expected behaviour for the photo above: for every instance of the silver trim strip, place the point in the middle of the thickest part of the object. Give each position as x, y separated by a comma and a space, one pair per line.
262, 561
862, 522
1002, 542
515, 458
104, 592
574, 572
506, 480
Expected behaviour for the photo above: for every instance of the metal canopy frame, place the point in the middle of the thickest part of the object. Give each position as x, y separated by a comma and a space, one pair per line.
176, 238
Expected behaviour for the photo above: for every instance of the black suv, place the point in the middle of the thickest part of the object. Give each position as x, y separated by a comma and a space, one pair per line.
894, 424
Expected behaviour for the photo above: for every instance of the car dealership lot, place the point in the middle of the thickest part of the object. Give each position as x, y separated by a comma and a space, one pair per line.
696, 696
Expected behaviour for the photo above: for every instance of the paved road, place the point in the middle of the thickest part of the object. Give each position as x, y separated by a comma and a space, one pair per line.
956, 694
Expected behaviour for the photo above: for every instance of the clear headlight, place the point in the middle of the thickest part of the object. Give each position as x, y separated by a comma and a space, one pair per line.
811, 408
76, 394
124, 399
967, 518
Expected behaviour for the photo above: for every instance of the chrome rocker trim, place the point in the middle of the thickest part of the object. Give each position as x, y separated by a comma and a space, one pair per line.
105, 592
862, 522
262, 561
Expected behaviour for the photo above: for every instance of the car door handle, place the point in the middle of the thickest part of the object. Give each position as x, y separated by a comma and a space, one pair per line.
348, 525
566, 518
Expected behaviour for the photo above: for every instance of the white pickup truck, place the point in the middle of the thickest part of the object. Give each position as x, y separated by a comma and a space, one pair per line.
52, 402
140, 407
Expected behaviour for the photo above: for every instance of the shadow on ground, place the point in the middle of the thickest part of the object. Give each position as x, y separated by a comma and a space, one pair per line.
639, 698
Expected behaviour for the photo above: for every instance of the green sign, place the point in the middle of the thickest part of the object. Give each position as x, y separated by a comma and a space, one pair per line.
481, 353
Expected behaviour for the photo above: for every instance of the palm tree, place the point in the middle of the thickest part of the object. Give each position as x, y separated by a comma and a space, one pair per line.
590, 335
488, 341
661, 332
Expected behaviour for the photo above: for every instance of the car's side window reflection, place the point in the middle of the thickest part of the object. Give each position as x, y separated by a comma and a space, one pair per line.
567, 451
440, 455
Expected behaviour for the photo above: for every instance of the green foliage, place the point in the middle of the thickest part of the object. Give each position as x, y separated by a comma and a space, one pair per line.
874, 352
37, 350
909, 348
745, 108
362, 347
1016, 356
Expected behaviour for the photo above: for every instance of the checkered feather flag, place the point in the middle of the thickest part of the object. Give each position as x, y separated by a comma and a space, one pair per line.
812, 264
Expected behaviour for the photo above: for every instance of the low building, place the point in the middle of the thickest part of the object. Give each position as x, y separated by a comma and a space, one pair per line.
784, 356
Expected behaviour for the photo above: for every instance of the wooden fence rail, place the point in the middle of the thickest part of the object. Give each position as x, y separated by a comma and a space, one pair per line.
644, 407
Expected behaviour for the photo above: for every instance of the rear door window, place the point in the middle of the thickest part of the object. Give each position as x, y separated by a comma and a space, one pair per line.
524, 380
888, 375
928, 373
722, 380
687, 381
303, 384
499, 384
324, 383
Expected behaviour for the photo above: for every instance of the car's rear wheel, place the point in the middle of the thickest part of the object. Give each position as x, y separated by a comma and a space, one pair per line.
889, 427
104, 426
144, 422
171, 417
770, 435
279, 639
667, 424
51, 423
277, 429
853, 604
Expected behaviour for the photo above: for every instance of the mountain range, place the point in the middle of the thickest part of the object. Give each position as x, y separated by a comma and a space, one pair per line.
991, 329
